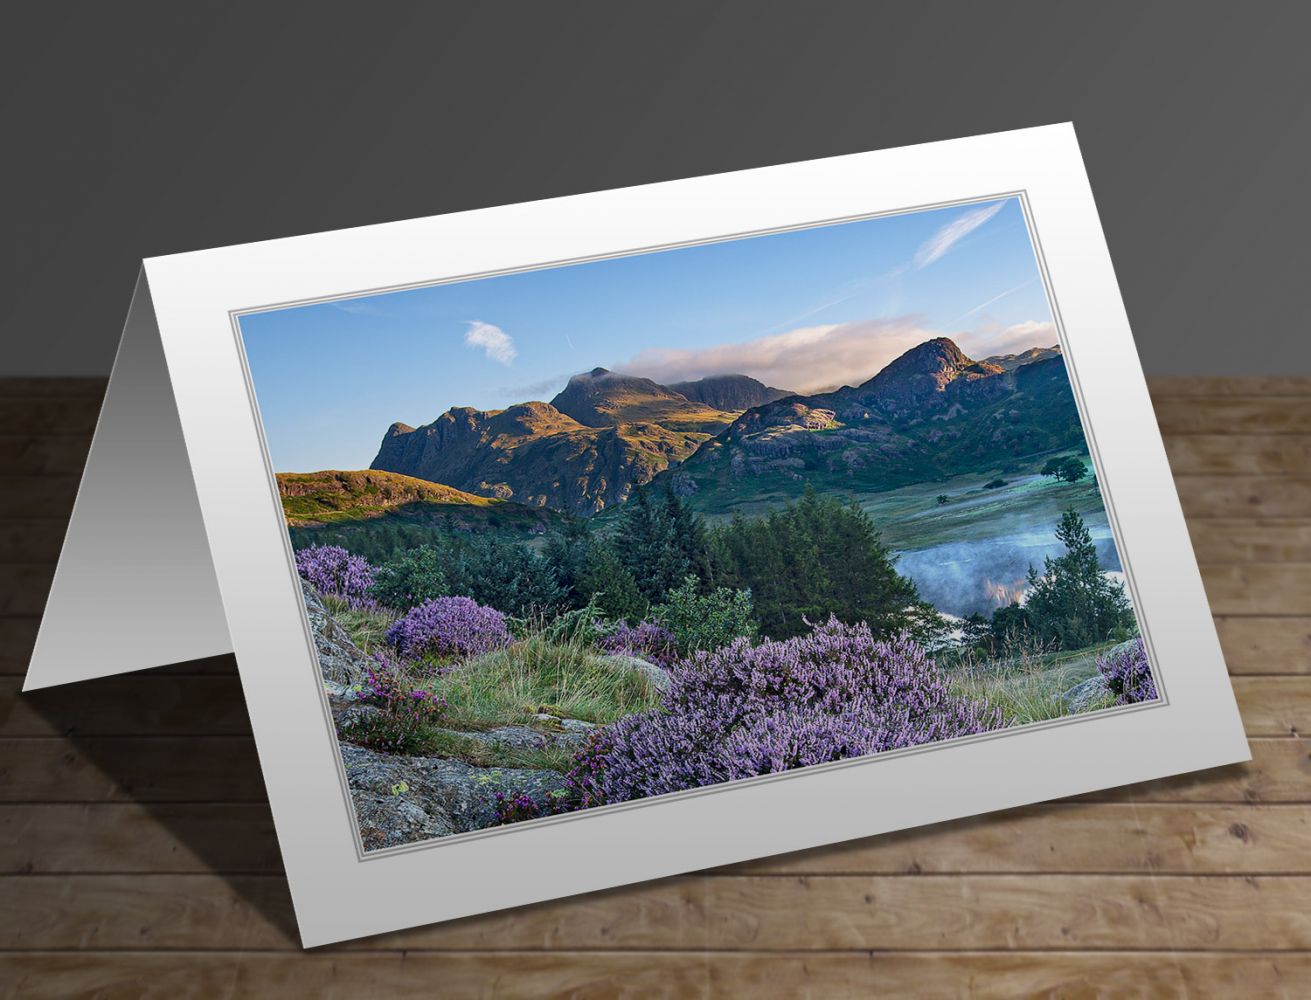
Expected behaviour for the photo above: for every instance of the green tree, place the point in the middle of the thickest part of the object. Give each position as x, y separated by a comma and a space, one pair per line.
1067, 470
1072, 603
607, 582
817, 557
943, 498
705, 621
415, 577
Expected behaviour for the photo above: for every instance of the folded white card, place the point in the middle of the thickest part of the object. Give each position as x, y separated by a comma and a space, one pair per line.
848, 513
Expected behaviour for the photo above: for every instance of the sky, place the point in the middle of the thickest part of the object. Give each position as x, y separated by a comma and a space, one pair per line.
802, 311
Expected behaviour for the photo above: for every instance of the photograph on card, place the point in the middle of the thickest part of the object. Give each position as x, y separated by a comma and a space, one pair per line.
597, 532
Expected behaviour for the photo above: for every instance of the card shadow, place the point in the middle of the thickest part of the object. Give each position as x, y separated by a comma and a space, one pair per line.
202, 782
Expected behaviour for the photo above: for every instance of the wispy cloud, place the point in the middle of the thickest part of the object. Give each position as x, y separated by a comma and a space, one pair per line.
813, 358
984, 305
937, 245
494, 342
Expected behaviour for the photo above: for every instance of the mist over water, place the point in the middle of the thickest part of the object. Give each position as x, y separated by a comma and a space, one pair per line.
964, 578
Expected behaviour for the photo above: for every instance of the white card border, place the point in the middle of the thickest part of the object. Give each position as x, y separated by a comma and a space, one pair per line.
337, 895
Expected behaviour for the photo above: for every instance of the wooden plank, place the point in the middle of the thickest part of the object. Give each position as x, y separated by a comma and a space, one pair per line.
31, 540
35, 455
189, 769
806, 913
27, 386
24, 587
985, 976
1244, 540
1261, 645
1111, 838
672, 974
1274, 706
1234, 415
1279, 771
1258, 589
506, 976
38, 496
146, 703
1239, 454
1244, 496
1166, 386
49, 416
1049, 838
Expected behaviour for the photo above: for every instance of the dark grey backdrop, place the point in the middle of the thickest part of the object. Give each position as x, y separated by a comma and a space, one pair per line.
135, 129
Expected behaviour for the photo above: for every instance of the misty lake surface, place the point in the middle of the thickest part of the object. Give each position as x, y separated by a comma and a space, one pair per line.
979, 576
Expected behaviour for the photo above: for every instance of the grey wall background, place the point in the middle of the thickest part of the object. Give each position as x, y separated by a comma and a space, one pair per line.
132, 130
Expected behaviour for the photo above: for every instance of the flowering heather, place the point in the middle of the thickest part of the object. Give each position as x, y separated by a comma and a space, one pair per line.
402, 717
449, 626
1128, 675
649, 640
742, 710
331, 570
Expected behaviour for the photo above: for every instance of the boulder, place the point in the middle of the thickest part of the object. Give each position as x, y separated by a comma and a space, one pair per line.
401, 799
1085, 694
658, 677
340, 660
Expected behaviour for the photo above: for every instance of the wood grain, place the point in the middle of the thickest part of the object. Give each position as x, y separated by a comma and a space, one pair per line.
137, 853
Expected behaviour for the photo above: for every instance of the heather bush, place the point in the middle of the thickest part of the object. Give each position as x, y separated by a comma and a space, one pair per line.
405, 713
704, 622
449, 627
1128, 675
648, 640
745, 710
333, 571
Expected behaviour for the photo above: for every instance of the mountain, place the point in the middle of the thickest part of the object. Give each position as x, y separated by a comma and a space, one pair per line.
1010, 362
728, 392
602, 398
541, 457
932, 413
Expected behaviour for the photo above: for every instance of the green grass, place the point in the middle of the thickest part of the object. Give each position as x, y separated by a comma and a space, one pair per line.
366, 628
533, 676
1026, 685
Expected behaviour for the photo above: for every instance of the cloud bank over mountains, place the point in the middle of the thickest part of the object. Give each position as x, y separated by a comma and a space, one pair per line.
813, 358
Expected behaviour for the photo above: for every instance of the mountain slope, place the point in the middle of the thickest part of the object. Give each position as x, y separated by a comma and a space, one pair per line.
931, 413
536, 455
728, 392
338, 498
602, 398
1012, 361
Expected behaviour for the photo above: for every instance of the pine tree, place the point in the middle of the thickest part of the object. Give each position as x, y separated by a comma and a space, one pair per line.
1072, 603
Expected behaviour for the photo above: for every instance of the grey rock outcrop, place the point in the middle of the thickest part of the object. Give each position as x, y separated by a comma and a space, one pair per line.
340, 660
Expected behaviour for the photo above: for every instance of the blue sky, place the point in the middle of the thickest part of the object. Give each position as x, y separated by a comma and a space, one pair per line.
802, 311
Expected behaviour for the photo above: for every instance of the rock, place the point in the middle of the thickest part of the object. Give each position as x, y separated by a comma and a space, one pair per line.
575, 733
519, 737
393, 820
1086, 693
340, 660
416, 798
658, 677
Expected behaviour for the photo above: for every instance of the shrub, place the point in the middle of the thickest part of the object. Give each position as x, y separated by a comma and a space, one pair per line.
415, 577
585, 625
649, 640
994, 484
333, 571
741, 711
449, 626
403, 717
707, 622
1128, 675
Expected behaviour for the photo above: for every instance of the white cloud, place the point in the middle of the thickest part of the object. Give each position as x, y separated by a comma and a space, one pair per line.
495, 342
813, 358
1015, 339
953, 232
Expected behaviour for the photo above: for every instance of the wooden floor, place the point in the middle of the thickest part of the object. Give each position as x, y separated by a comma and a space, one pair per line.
138, 854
